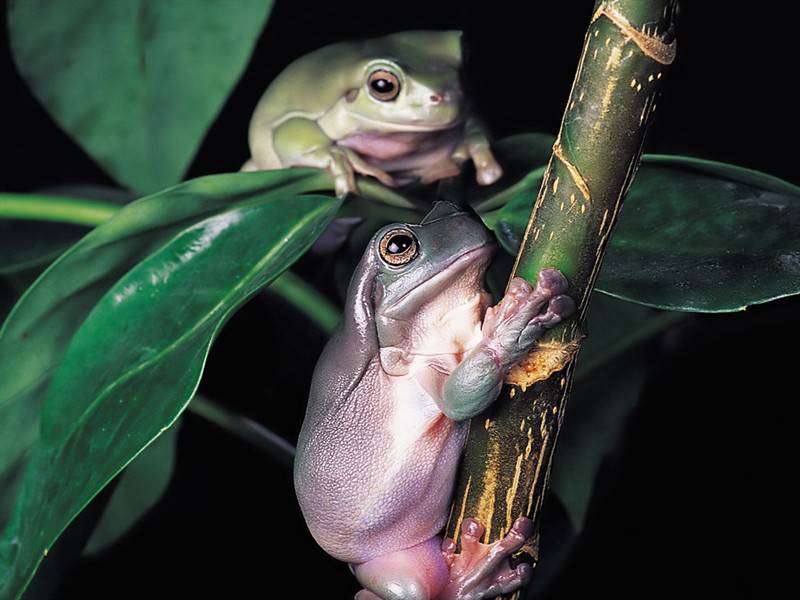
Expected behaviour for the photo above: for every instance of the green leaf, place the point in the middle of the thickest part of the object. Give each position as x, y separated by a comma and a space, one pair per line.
702, 236
141, 486
136, 360
694, 235
609, 375
36, 228
136, 82
35, 335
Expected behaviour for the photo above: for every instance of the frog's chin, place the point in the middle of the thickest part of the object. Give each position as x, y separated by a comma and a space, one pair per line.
475, 258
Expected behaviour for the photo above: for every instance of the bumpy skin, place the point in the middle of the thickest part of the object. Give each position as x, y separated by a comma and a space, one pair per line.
319, 112
389, 407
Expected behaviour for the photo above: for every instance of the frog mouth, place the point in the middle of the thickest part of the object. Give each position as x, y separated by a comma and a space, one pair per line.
476, 257
381, 125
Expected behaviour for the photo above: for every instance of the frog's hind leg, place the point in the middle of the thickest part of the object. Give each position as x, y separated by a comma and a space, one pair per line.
416, 573
482, 570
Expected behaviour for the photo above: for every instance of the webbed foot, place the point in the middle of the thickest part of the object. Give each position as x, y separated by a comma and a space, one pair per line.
511, 327
483, 570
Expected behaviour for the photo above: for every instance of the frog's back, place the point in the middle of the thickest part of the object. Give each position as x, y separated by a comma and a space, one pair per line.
373, 473
307, 88
310, 85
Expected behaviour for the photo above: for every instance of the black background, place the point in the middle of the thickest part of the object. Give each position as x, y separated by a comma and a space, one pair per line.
690, 506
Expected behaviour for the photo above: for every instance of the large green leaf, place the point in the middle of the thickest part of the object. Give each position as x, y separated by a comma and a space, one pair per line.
36, 333
140, 487
701, 236
694, 235
134, 363
136, 82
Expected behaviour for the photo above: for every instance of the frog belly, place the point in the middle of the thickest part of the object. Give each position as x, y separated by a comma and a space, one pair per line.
378, 490
404, 151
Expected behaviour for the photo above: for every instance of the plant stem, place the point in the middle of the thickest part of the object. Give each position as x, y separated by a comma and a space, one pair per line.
307, 300
36, 207
627, 49
247, 430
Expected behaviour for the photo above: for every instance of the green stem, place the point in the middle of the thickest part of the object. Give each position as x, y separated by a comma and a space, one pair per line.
307, 300
34, 207
245, 429
627, 49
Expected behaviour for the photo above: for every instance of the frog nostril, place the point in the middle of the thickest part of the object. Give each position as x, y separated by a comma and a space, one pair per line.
436, 98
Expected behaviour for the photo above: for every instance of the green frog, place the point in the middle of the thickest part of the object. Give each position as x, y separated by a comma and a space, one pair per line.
392, 108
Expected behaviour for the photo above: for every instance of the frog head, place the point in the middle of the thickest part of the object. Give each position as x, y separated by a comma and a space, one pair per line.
429, 277
408, 81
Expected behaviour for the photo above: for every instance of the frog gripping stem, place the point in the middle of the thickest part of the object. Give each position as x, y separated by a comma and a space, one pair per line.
627, 50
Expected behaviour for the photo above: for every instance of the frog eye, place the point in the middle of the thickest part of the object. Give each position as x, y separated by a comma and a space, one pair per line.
383, 85
398, 247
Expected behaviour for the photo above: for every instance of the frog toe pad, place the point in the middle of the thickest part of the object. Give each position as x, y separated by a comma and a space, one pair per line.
523, 315
483, 570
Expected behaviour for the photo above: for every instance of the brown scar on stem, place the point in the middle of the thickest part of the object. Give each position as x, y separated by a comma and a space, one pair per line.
650, 45
547, 358
580, 182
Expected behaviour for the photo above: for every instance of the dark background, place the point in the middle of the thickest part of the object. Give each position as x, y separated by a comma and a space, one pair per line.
690, 505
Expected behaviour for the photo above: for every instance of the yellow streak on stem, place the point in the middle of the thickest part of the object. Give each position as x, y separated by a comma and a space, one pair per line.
460, 520
485, 509
511, 493
529, 446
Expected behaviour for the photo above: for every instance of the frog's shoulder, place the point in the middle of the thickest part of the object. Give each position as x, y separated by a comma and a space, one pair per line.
312, 84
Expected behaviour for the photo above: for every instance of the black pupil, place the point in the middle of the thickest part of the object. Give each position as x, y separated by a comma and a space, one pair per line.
382, 86
399, 244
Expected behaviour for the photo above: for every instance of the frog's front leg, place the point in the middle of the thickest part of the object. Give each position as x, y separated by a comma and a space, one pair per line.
301, 142
475, 146
509, 331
